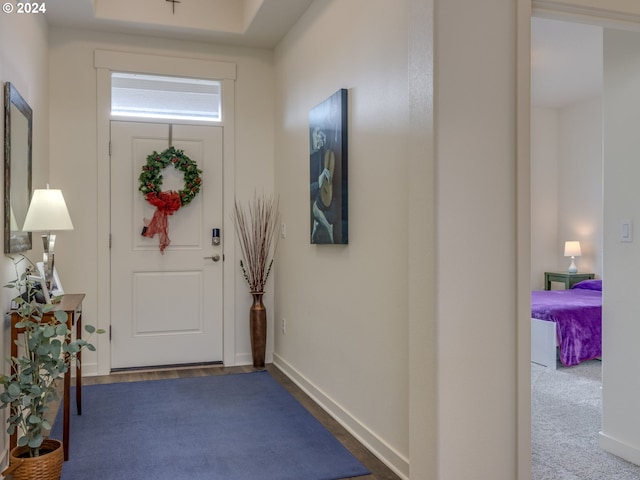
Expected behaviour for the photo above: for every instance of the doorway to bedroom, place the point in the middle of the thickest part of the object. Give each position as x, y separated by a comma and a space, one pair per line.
574, 197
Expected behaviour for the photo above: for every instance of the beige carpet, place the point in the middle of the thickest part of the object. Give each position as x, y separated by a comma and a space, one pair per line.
566, 419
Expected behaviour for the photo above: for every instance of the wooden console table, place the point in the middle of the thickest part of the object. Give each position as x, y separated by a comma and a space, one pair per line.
71, 304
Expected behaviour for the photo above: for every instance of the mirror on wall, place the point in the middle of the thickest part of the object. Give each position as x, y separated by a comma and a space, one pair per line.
18, 119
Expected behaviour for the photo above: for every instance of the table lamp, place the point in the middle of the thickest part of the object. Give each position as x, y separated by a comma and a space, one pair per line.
572, 249
47, 212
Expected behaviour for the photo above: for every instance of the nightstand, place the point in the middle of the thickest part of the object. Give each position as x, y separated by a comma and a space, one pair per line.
568, 279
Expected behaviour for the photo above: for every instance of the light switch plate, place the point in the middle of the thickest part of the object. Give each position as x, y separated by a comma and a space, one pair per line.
626, 230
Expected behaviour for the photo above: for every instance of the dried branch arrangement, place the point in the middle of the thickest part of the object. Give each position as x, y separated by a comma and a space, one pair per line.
256, 226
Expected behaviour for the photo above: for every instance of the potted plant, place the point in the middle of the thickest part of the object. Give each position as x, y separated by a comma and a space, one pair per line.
256, 226
45, 355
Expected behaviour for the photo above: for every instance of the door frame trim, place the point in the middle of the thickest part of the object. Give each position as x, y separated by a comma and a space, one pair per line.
105, 62
523, 239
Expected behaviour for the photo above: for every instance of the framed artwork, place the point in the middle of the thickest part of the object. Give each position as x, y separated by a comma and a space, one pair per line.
329, 220
46, 297
55, 289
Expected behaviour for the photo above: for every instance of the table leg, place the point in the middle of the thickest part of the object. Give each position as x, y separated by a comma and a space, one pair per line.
79, 367
65, 425
13, 439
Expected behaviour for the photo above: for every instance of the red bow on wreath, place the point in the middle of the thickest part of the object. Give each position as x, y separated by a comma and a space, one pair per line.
166, 203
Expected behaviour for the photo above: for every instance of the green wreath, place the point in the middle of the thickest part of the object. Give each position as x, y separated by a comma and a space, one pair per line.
151, 175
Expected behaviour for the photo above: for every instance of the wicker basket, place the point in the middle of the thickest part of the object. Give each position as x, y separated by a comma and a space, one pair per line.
47, 466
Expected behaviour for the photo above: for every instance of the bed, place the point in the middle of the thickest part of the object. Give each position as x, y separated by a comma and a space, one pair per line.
568, 322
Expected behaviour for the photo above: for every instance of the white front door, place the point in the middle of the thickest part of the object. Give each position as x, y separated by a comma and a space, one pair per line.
166, 309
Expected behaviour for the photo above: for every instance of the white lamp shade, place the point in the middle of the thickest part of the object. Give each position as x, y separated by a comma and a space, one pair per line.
47, 212
572, 249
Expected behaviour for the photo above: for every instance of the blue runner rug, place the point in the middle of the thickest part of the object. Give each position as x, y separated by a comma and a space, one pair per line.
227, 427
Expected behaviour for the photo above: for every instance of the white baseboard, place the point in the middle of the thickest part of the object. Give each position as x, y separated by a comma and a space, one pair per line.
242, 359
390, 457
88, 370
620, 449
247, 359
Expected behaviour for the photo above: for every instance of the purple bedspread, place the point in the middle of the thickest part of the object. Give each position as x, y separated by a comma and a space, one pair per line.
578, 316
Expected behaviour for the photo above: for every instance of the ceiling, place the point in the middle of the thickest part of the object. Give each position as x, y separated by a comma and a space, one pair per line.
250, 23
566, 62
566, 57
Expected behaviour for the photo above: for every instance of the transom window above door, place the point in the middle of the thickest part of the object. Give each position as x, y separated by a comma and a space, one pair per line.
163, 97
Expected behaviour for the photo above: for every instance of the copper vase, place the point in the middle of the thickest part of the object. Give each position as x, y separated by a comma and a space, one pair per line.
258, 330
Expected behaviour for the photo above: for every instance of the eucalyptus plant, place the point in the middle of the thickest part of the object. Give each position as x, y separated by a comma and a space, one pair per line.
46, 352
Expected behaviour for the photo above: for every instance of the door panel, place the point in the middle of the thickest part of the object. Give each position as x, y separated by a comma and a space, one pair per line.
166, 308
155, 314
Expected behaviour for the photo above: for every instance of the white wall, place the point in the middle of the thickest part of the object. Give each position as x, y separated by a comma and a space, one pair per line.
566, 187
23, 62
347, 307
580, 166
621, 392
545, 139
74, 161
423, 420
478, 251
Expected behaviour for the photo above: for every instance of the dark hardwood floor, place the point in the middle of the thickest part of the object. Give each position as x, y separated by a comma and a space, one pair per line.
378, 470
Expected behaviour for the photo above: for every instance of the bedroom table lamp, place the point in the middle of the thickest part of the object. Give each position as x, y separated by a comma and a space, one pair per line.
572, 249
47, 212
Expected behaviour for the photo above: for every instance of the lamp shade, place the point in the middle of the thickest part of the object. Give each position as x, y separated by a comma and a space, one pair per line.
572, 249
47, 212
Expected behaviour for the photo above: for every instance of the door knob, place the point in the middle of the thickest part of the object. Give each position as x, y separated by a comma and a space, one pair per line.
214, 258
